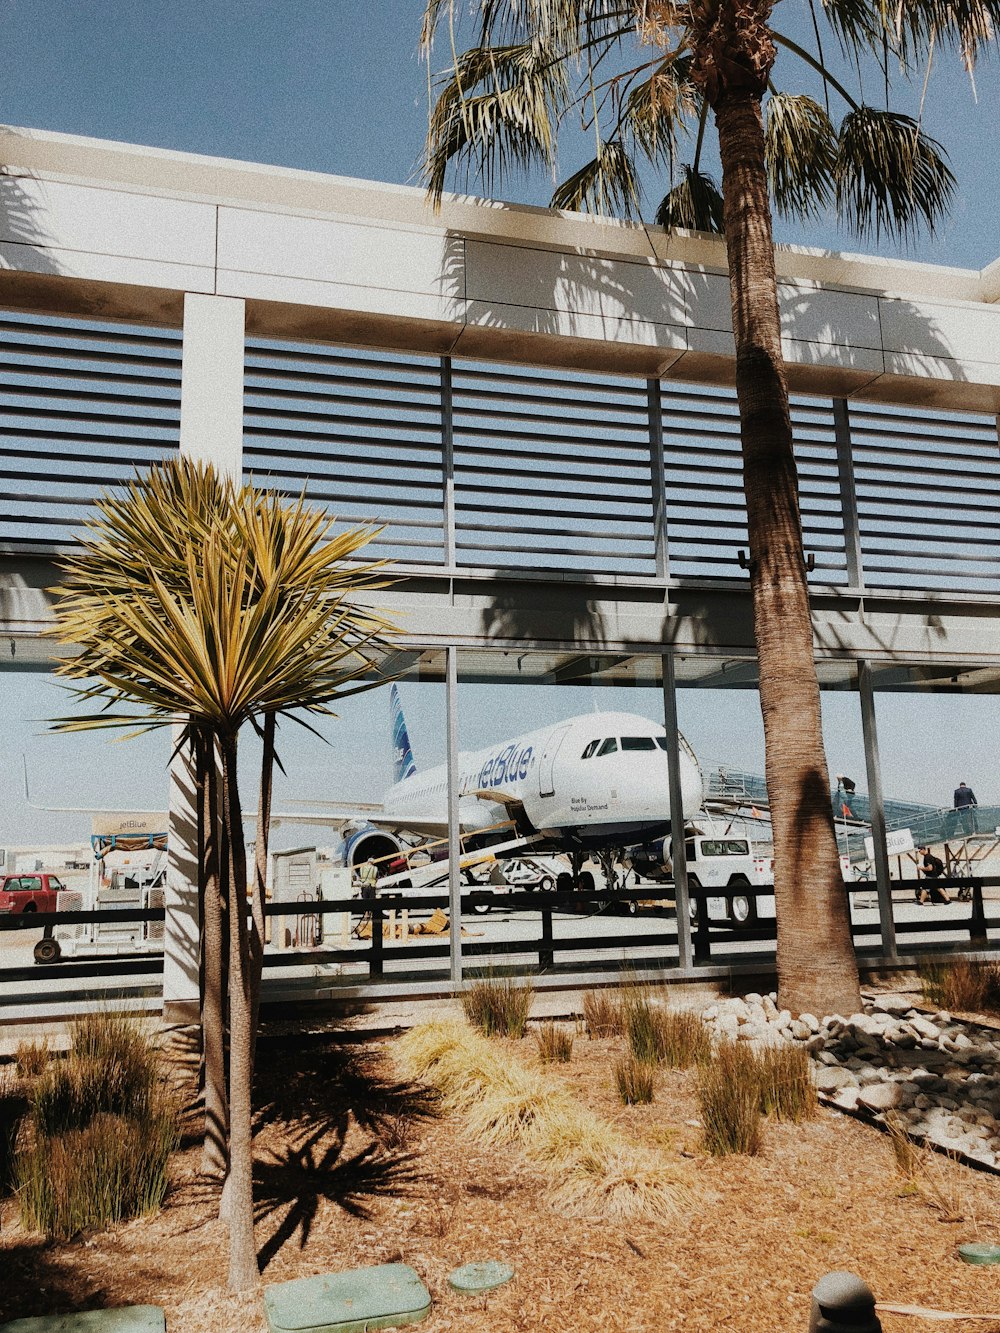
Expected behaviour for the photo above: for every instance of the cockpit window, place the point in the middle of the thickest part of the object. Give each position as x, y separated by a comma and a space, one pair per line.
661, 742
590, 749
638, 743
609, 746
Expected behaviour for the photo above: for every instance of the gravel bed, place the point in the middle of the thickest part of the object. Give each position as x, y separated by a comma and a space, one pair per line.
939, 1075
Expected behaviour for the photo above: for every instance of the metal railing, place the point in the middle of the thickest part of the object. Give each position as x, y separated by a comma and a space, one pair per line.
421, 961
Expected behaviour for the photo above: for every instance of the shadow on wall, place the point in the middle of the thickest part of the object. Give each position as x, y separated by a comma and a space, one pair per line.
24, 240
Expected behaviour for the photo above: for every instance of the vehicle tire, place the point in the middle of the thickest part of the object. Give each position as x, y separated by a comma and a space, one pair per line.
741, 908
482, 905
47, 951
694, 906
30, 907
564, 882
586, 882
629, 906
546, 884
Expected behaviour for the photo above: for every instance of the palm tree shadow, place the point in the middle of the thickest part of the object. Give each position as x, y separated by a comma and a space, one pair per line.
304, 1175
308, 1103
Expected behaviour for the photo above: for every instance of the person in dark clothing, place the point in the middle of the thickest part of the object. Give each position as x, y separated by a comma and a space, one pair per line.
965, 809
932, 868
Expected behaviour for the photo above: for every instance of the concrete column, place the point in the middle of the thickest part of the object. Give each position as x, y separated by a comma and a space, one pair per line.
212, 431
212, 381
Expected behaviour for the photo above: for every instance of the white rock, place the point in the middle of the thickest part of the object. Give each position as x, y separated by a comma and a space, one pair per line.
923, 1027
830, 1079
799, 1030
880, 1097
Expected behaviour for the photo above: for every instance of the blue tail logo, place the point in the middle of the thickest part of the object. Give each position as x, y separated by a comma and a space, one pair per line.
402, 756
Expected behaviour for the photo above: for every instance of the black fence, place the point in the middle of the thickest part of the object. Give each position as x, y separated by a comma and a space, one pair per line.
375, 958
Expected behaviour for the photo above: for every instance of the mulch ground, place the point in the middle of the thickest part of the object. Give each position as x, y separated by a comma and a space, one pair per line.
355, 1168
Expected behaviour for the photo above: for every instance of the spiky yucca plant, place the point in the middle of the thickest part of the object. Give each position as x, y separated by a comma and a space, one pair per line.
207, 606
646, 77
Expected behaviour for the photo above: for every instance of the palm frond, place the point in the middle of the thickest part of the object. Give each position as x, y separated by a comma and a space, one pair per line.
801, 151
509, 124
695, 204
655, 110
909, 27
607, 183
890, 177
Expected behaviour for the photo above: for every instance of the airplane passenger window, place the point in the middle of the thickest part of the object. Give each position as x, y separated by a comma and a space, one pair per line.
590, 749
609, 747
638, 743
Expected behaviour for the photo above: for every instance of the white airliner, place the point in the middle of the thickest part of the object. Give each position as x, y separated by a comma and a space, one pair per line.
594, 781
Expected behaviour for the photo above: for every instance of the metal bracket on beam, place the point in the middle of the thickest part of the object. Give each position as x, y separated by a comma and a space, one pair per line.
746, 560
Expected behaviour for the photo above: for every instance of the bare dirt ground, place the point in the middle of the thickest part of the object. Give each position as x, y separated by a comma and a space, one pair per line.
355, 1168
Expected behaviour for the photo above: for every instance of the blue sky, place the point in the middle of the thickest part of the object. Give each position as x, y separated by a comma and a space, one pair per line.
334, 86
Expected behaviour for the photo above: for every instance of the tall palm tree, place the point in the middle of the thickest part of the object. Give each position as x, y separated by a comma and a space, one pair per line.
499, 107
219, 640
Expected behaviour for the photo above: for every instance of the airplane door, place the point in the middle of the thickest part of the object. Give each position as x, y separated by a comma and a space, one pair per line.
547, 762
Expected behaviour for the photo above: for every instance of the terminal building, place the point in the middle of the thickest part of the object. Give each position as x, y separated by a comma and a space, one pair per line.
538, 407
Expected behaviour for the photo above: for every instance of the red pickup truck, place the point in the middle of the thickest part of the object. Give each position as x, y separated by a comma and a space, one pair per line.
29, 893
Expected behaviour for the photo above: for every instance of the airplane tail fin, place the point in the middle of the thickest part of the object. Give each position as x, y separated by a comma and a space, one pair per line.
402, 755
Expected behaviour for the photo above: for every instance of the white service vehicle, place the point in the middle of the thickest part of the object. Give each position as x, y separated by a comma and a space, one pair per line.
732, 865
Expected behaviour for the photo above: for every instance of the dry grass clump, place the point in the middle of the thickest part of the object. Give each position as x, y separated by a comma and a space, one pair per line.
658, 1035
634, 1079
13, 1105
729, 1095
925, 1175
630, 1183
95, 1144
554, 1043
32, 1058
603, 1013
962, 984
742, 1084
785, 1080
505, 1102
498, 1006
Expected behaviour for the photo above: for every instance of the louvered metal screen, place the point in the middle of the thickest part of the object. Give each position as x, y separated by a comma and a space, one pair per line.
552, 471
82, 405
928, 486
360, 431
703, 470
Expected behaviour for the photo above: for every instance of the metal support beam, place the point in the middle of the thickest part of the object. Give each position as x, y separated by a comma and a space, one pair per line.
454, 837
877, 808
654, 399
678, 857
448, 460
848, 493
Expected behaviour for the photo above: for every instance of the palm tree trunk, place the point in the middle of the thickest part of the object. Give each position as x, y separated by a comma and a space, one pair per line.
214, 1154
817, 969
243, 1270
260, 879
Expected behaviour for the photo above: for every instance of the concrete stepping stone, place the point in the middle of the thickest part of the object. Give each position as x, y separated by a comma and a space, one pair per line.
124, 1319
474, 1278
355, 1301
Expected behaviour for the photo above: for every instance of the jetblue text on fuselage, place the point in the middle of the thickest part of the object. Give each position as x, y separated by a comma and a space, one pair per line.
510, 765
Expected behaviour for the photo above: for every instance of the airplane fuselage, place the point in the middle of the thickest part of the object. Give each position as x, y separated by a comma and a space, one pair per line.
600, 778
